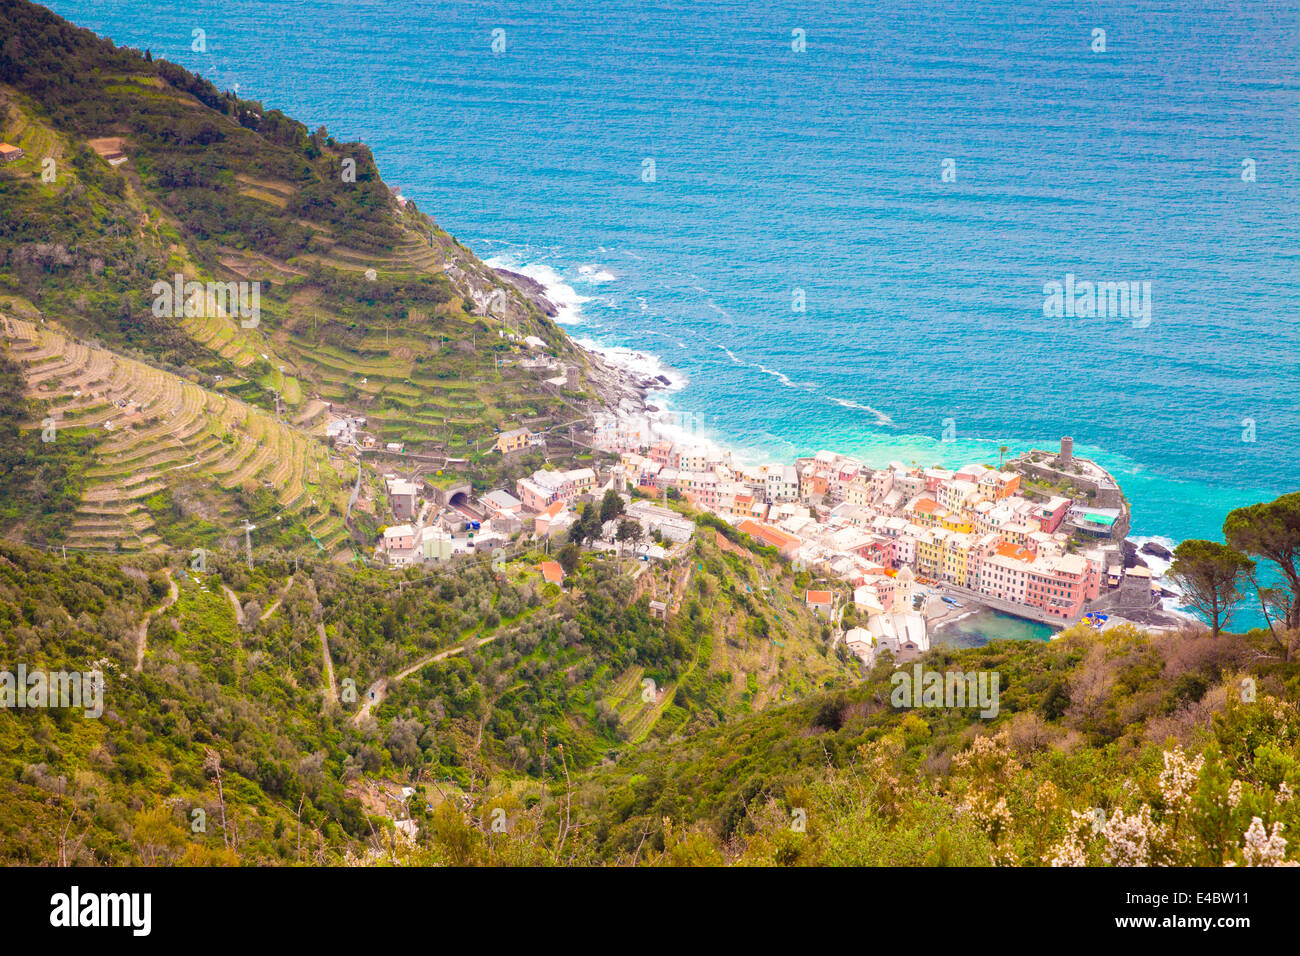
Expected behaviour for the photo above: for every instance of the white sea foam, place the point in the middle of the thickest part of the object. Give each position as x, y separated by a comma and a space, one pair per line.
881, 417
596, 274
1157, 565
641, 363
679, 428
568, 302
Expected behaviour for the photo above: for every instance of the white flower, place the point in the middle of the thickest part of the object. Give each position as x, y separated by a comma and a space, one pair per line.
1129, 838
1234, 794
1178, 779
1069, 852
1263, 848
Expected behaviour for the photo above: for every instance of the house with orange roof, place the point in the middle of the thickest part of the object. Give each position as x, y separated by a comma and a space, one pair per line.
1002, 484
820, 602
748, 505
925, 512
813, 484
786, 544
550, 519
551, 571
1009, 550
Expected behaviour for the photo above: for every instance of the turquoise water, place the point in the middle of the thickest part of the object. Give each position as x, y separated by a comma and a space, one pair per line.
983, 626
778, 172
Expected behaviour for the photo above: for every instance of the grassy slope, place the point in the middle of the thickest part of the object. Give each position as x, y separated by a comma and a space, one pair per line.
549, 692
217, 188
1082, 726
545, 721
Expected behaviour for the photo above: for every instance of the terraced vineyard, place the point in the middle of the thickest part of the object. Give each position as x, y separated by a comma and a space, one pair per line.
411, 374
163, 436
364, 304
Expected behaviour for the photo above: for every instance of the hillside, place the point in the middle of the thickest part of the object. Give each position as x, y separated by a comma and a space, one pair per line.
492, 684
135, 172
538, 724
166, 450
1120, 748
299, 705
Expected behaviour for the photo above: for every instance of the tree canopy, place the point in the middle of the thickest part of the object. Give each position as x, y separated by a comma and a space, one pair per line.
1210, 576
1271, 530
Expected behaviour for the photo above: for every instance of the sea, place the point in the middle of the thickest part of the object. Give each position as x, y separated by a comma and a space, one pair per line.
838, 225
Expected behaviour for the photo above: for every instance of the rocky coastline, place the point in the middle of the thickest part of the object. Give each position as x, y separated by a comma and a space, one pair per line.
620, 391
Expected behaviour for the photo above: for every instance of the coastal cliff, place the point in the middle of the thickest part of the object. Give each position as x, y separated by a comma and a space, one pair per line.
135, 174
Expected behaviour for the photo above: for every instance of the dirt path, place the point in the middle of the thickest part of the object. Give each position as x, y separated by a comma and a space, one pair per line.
331, 686
276, 603
376, 692
142, 638
234, 602
332, 691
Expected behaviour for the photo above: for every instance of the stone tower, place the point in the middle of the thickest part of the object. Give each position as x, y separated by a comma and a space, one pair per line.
1067, 451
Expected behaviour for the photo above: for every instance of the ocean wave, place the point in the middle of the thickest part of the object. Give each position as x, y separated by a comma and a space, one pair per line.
1157, 565
637, 361
881, 417
810, 387
568, 302
1159, 568
596, 274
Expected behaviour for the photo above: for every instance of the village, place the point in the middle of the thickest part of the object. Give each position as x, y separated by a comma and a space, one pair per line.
1039, 537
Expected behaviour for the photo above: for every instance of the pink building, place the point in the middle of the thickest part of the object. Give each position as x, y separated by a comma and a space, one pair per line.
662, 453
882, 549
1050, 515
534, 496
1059, 585
552, 515
399, 538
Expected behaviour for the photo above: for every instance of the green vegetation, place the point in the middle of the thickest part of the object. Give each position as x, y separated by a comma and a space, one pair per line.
364, 303
496, 684
1082, 727
39, 491
1210, 577
685, 712
1271, 531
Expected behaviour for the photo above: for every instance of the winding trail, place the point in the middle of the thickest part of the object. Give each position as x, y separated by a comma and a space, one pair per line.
332, 691
234, 602
331, 687
275, 605
142, 637
376, 692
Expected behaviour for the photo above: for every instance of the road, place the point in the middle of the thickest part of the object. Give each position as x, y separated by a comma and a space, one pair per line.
234, 602
276, 603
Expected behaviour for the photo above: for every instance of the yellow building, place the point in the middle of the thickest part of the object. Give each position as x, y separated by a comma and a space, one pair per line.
512, 440
929, 552
859, 490
957, 523
926, 512
957, 559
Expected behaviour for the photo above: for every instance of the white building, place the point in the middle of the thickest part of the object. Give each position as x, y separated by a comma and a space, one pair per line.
858, 640
670, 525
